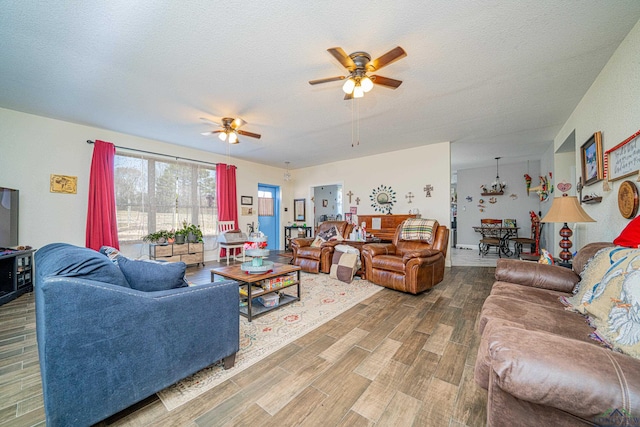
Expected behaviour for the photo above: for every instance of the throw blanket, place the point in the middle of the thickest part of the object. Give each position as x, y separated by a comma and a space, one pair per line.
418, 229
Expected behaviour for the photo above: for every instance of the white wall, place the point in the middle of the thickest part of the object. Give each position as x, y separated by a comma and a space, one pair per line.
612, 106
404, 171
513, 204
34, 147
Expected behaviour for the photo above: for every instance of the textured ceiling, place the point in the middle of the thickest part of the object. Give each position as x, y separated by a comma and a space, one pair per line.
496, 78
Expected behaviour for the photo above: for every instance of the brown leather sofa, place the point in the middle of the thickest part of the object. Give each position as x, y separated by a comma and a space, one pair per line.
411, 266
537, 359
318, 259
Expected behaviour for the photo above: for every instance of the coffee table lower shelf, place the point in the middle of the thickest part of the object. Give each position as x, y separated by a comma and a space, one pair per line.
243, 278
259, 310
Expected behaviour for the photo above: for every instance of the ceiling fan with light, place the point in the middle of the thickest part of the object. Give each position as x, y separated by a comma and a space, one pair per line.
358, 64
229, 129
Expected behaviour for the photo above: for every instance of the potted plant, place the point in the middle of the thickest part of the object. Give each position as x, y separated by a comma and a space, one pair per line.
192, 232
180, 237
160, 237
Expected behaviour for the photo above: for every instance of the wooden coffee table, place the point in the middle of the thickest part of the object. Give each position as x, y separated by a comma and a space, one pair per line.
234, 272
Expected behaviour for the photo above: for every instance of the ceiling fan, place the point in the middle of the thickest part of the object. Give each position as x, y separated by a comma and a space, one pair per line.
359, 63
229, 129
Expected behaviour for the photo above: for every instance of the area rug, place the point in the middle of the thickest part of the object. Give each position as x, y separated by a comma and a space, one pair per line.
322, 299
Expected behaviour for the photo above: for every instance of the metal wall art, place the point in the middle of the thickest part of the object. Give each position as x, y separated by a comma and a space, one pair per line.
382, 199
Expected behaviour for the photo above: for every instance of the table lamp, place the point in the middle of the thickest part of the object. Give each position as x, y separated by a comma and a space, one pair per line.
566, 209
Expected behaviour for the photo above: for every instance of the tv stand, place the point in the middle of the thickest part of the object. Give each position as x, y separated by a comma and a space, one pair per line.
16, 273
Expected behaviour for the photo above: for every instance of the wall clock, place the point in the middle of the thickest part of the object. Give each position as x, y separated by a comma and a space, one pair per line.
628, 199
382, 199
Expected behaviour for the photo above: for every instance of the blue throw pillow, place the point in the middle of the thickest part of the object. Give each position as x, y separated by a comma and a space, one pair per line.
149, 276
65, 260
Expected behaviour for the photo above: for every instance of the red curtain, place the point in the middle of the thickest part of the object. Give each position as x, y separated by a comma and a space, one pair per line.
102, 227
226, 195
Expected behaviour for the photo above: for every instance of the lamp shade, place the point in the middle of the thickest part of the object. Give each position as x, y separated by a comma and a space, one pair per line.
566, 209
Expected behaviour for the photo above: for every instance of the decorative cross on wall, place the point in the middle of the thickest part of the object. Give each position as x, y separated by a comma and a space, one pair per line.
428, 189
357, 200
349, 194
409, 196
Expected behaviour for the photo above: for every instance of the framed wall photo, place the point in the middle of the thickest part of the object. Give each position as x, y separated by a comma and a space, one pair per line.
624, 159
246, 200
299, 209
591, 159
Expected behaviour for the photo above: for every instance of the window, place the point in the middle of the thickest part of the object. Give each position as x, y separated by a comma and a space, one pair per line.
265, 203
159, 194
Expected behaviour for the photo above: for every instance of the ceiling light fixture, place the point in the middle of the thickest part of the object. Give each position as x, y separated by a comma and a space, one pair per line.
366, 83
233, 138
287, 174
348, 85
358, 92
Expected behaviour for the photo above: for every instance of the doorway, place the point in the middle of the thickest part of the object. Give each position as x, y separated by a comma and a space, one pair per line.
269, 214
327, 203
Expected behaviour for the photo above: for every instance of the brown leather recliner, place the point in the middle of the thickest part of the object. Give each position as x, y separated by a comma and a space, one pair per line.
318, 259
411, 266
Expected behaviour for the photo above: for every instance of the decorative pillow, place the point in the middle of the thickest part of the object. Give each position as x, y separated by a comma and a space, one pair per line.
152, 276
343, 266
630, 236
65, 260
317, 242
590, 286
329, 234
418, 229
615, 313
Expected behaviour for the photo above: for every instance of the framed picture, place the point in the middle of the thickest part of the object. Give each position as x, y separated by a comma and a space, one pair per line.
624, 159
348, 217
299, 209
63, 184
246, 200
591, 159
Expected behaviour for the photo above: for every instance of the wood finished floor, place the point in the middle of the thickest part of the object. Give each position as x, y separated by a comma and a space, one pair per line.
392, 360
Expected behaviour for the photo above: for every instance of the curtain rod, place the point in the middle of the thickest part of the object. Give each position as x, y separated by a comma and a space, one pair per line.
157, 154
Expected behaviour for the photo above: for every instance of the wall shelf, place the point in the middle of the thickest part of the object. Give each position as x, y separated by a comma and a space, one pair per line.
592, 200
492, 193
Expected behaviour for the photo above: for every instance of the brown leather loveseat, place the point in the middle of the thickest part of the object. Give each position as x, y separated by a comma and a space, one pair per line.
315, 259
539, 361
411, 266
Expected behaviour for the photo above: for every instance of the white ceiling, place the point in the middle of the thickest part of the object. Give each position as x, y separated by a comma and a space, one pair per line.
496, 78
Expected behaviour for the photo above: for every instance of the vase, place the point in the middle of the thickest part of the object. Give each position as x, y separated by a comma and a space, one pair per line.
179, 239
191, 238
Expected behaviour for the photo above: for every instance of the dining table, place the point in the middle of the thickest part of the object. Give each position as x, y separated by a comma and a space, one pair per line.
501, 233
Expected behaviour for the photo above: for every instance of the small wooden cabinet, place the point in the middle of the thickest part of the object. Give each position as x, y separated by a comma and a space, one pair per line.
387, 224
16, 274
189, 253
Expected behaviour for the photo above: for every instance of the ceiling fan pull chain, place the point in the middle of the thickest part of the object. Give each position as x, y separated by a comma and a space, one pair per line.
353, 121
358, 117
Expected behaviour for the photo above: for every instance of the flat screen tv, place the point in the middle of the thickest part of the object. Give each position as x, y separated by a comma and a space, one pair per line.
8, 217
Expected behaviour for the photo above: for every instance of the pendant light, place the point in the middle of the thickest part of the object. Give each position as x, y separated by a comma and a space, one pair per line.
287, 174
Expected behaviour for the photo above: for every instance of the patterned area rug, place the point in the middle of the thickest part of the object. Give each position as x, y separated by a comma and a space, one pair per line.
322, 299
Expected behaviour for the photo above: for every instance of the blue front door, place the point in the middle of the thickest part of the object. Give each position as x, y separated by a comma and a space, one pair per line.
269, 213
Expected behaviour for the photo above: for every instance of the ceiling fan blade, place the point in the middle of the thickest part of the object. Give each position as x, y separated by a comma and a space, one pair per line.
386, 81
211, 122
348, 96
327, 80
392, 56
211, 132
342, 58
251, 134
237, 122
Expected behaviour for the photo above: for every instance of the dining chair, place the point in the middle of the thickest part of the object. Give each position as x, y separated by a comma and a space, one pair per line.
224, 226
533, 241
491, 235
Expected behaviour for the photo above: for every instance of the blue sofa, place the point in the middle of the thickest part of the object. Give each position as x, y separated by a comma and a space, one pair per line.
103, 345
